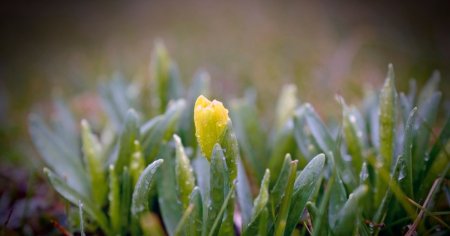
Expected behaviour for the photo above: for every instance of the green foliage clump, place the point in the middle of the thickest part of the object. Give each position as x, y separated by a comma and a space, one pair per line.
141, 171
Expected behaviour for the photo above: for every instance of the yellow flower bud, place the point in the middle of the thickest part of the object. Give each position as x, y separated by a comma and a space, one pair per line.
211, 119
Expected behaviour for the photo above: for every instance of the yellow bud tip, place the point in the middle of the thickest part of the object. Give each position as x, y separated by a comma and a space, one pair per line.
210, 119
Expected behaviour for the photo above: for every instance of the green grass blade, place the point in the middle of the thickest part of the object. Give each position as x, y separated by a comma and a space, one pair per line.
160, 68
221, 212
129, 134
278, 190
259, 205
263, 222
407, 183
93, 156
387, 118
281, 221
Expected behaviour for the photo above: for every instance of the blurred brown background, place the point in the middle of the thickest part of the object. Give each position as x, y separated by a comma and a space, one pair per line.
324, 47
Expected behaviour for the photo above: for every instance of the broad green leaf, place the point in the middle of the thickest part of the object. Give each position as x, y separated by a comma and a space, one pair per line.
231, 153
387, 118
144, 185
129, 134
346, 223
169, 204
222, 210
184, 174
303, 188
218, 184
94, 161
74, 197
56, 155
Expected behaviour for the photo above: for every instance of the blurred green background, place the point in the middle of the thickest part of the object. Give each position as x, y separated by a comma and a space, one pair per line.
324, 47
